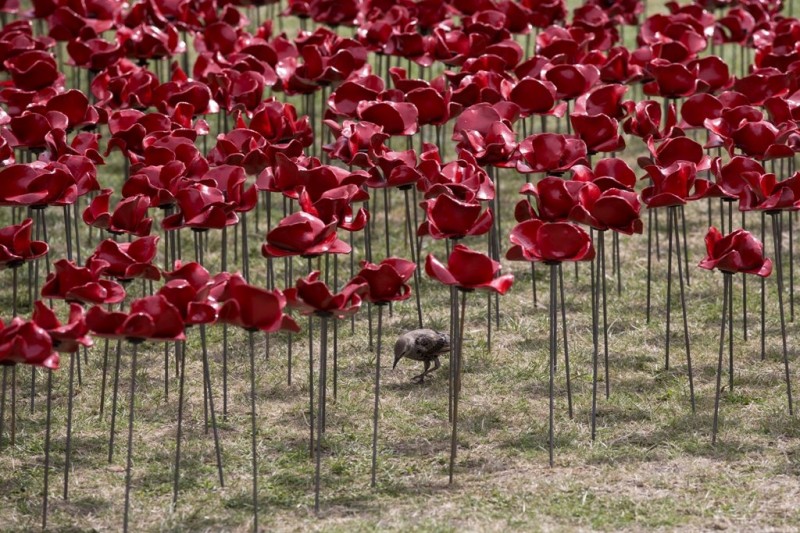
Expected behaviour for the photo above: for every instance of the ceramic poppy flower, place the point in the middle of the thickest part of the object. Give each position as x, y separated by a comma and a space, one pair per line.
599, 132
762, 84
762, 140
251, 308
612, 209
336, 205
619, 67
671, 80
605, 100
303, 234
646, 121
277, 122
461, 178
159, 183
94, 54
312, 296
231, 180
533, 96
355, 141
129, 216
765, 193
129, 260
386, 281
396, 118
67, 337
146, 41
150, 318
29, 129
469, 270
394, 169
550, 153
124, 85
495, 147
608, 173
549, 242
730, 177
37, 184
191, 298
675, 185
735, 252
181, 89
345, 99
713, 73
241, 147
555, 197
450, 218
675, 150
698, 108
82, 284
201, 208
33, 70
23, 342
572, 81
16, 245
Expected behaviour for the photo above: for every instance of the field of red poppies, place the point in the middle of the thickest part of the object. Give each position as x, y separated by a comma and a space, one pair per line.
217, 217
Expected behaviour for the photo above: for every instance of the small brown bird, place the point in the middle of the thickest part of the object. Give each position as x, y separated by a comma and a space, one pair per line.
423, 345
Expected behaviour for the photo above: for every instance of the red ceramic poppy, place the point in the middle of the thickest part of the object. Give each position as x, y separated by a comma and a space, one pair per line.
181, 89
355, 142
698, 108
555, 197
124, 85
762, 140
765, 193
190, 294
736, 252
549, 242
29, 129
572, 81
612, 209
23, 342
646, 121
201, 208
241, 147
305, 235
546, 12
450, 218
730, 178
94, 53
82, 284
550, 153
75, 106
159, 183
37, 185
462, 178
533, 96
129, 260
469, 270
386, 281
231, 180
394, 169
675, 185
712, 72
494, 147
396, 118
671, 80
599, 132
603, 99
619, 68
67, 337
252, 308
150, 318
34, 70
145, 41
129, 216
312, 296
762, 84
345, 99
16, 245
336, 205
609, 173
675, 150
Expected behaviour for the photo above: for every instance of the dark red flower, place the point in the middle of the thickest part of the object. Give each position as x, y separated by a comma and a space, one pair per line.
386, 281
251, 308
712, 72
450, 218
129, 216
765, 193
550, 242
675, 185
599, 132
572, 81
698, 108
469, 270
201, 208
67, 337
533, 96
762, 84
612, 209
146, 41
609, 173
159, 183
336, 205
94, 54
30, 129
23, 342
129, 260
82, 284
646, 119
124, 85
34, 70
150, 318
730, 177
312, 296
231, 180
671, 80
37, 184
675, 150
550, 153
303, 234
762, 140
556, 198
736, 252
16, 245
605, 100
188, 288
345, 99
396, 118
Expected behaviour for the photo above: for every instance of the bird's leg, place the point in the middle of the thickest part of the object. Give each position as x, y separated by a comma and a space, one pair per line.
421, 378
436, 365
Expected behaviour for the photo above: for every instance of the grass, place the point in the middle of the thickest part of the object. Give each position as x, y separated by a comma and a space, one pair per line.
652, 465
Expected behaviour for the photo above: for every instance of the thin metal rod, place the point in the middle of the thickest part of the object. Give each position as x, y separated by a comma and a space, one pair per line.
46, 491
725, 297
566, 343
68, 444
181, 354
377, 399
553, 349
776, 236
683, 310
457, 387
320, 410
251, 345
129, 463
114, 403
669, 286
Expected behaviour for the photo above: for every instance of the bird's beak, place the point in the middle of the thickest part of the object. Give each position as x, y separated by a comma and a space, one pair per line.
396, 360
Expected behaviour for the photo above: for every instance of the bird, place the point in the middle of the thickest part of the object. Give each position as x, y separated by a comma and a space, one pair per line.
424, 345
